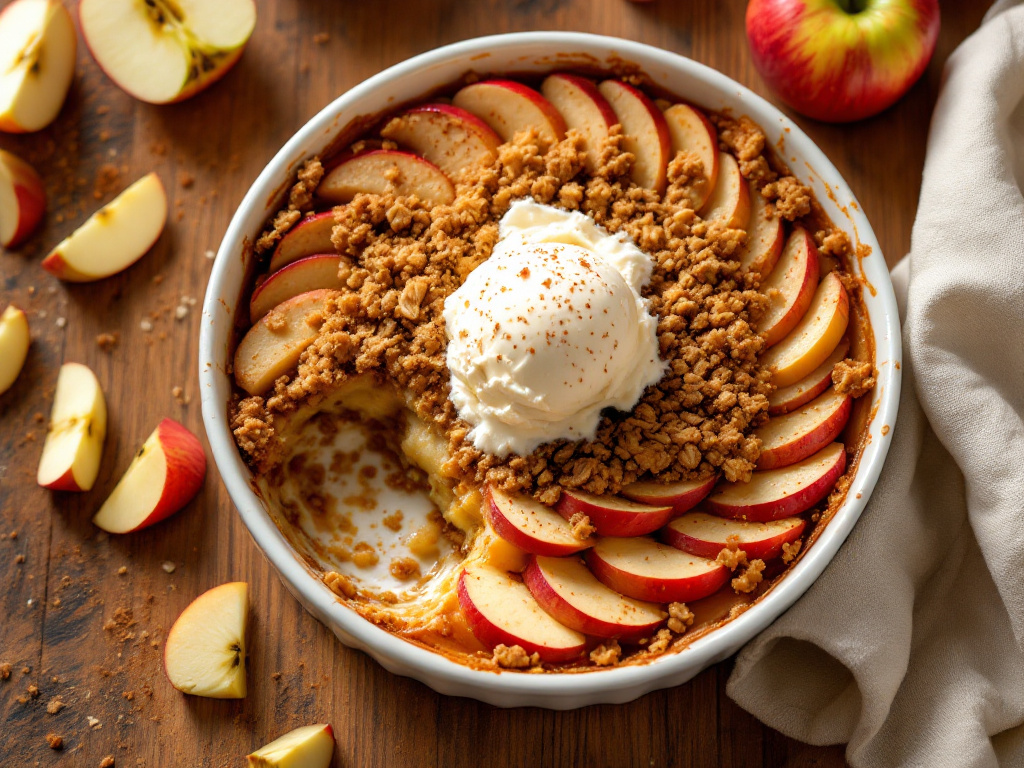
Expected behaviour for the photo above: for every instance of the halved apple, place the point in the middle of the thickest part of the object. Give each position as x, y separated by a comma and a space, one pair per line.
584, 109
646, 133
37, 63
706, 535
530, 525
816, 336
786, 399
681, 496
74, 439
382, 170
114, 237
163, 477
311, 746
691, 131
729, 202
612, 515
569, 592
204, 653
22, 199
309, 237
794, 436
510, 107
790, 286
449, 137
501, 611
642, 568
273, 345
777, 493
163, 51
765, 237
306, 274
15, 339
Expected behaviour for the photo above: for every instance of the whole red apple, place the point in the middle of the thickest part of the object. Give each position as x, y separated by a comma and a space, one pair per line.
841, 60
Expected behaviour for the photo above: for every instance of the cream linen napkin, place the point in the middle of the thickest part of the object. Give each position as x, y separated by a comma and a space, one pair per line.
909, 646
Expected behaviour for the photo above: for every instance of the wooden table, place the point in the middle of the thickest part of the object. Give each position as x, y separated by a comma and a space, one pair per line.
58, 605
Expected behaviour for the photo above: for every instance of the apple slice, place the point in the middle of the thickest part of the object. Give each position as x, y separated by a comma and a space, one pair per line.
778, 493
584, 109
569, 592
692, 132
510, 107
383, 170
533, 527
681, 496
204, 653
449, 137
729, 203
501, 611
790, 286
645, 130
765, 237
74, 439
22, 199
163, 477
794, 436
309, 237
311, 746
705, 535
15, 339
162, 51
114, 237
816, 336
273, 345
306, 274
786, 399
642, 568
37, 63
614, 516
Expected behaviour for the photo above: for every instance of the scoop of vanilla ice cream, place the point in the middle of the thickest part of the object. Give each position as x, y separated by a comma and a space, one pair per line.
549, 331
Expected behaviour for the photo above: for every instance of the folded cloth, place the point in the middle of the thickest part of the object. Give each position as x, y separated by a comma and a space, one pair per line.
909, 646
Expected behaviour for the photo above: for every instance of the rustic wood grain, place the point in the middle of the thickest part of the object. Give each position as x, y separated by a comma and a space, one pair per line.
58, 607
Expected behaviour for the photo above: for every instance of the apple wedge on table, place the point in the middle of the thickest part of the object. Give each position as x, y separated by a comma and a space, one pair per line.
311, 746
790, 287
584, 109
786, 399
15, 339
613, 516
164, 475
449, 137
641, 568
765, 237
501, 611
692, 132
114, 237
794, 436
73, 447
706, 535
729, 202
681, 496
645, 131
382, 170
530, 525
309, 237
22, 200
306, 274
510, 107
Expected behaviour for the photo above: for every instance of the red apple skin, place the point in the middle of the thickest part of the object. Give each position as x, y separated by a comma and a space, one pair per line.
779, 402
660, 126
514, 536
590, 89
545, 106
319, 258
809, 443
765, 549
835, 66
30, 194
65, 482
681, 501
608, 521
186, 469
657, 590
292, 248
808, 275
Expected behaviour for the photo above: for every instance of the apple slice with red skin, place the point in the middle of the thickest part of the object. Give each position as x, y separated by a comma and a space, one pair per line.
273, 345
681, 496
645, 131
765, 237
790, 287
163, 477
309, 237
510, 107
533, 527
450, 138
786, 399
814, 338
569, 592
706, 535
691, 131
584, 109
306, 274
794, 436
71, 454
729, 202
22, 200
777, 493
641, 568
613, 516
383, 170
501, 611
